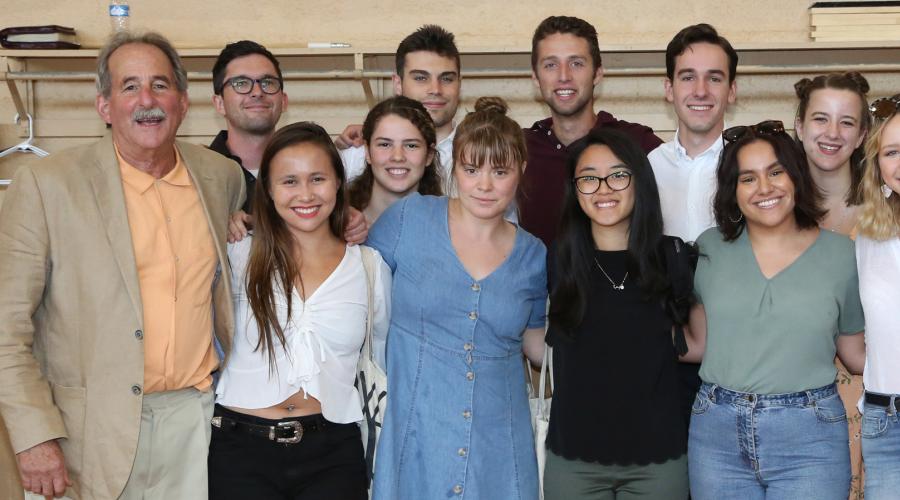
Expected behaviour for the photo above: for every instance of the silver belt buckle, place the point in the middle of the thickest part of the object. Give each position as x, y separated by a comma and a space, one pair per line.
298, 432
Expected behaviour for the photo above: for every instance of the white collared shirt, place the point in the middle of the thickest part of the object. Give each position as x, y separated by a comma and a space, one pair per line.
354, 159
323, 336
686, 187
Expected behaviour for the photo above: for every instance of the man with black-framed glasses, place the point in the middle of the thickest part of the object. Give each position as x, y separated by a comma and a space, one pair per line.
249, 93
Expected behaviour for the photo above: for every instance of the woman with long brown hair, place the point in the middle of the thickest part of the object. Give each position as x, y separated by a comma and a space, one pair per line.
285, 420
400, 156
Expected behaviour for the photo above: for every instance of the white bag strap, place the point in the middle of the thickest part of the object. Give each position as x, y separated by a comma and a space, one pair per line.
368, 261
546, 364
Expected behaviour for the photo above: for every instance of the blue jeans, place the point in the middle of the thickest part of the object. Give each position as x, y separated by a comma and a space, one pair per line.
782, 446
881, 451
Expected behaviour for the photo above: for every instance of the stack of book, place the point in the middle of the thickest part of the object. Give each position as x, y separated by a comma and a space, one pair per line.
855, 21
38, 37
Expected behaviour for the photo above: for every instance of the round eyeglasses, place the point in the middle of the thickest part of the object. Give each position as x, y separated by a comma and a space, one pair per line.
244, 85
590, 184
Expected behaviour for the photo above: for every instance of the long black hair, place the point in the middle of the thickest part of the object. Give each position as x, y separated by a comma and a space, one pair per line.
645, 260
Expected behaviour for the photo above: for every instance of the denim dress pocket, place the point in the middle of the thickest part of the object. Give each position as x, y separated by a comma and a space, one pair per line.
830, 409
875, 422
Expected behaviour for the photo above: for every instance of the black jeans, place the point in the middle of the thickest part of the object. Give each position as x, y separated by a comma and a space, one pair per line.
326, 464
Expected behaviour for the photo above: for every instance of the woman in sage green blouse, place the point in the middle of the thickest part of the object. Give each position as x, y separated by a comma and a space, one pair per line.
777, 299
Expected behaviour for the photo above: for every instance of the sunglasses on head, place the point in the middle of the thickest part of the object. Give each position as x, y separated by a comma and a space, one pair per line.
885, 107
768, 127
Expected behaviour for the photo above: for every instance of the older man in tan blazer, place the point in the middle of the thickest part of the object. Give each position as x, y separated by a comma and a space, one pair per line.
114, 279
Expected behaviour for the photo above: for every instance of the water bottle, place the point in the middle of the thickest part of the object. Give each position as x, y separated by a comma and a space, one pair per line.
118, 15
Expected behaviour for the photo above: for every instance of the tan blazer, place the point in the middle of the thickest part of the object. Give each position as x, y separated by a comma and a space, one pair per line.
70, 306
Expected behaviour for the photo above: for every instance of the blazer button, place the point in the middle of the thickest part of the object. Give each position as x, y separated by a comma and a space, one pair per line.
138, 334
136, 390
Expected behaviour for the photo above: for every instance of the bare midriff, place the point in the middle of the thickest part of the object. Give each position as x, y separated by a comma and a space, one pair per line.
295, 406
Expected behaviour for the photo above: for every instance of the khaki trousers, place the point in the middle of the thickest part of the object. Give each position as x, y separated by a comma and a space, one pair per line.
172, 447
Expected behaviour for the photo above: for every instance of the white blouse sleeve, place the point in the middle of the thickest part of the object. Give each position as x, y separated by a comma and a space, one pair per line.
382, 314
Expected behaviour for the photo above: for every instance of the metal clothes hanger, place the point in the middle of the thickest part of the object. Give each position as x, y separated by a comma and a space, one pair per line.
25, 146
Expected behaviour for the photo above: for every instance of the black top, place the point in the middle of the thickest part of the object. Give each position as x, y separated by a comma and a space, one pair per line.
220, 145
617, 394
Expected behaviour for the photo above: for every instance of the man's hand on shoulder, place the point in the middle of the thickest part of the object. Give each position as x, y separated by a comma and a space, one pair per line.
357, 229
43, 470
239, 224
350, 137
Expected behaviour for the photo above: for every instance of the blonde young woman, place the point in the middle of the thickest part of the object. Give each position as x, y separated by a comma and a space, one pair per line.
878, 260
285, 424
831, 125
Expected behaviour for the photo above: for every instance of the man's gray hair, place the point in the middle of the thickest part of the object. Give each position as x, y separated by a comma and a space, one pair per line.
104, 80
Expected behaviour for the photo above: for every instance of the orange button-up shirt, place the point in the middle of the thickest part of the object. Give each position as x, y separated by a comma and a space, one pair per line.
176, 262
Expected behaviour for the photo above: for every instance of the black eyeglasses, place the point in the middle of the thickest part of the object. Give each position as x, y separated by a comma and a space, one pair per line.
590, 184
244, 85
768, 127
885, 107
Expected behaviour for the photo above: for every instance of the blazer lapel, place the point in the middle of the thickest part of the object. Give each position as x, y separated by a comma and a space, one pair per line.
107, 185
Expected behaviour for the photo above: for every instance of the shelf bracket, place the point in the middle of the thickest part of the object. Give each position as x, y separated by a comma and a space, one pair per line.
359, 66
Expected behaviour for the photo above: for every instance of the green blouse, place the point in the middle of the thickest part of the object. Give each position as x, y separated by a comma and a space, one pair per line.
777, 335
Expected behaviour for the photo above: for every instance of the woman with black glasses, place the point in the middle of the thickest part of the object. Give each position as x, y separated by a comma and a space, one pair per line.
618, 286
878, 260
778, 297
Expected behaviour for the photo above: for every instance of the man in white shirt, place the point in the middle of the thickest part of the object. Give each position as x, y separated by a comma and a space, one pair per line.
428, 71
700, 83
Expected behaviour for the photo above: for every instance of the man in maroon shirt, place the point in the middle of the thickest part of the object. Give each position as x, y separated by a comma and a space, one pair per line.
566, 66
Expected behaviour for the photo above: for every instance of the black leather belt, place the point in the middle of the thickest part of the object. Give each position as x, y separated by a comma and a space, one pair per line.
287, 431
882, 400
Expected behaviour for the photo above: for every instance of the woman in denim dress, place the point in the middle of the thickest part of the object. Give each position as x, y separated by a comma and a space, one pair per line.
467, 285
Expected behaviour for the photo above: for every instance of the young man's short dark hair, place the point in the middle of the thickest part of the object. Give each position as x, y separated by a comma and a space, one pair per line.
428, 38
566, 25
699, 33
231, 52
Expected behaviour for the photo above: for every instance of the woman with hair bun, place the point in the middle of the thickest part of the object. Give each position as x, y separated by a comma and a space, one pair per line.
468, 285
831, 125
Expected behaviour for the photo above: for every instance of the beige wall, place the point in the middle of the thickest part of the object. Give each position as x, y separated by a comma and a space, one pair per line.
65, 116
380, 23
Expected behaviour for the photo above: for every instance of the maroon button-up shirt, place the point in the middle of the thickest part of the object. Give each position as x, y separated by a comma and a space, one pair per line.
540, 200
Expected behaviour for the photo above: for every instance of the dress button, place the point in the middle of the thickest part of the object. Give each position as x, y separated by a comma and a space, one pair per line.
136, 390
476, 287
457, 489
467, 414
468, 346
470, 375
462, 452
138, 334
559, 146
473, 315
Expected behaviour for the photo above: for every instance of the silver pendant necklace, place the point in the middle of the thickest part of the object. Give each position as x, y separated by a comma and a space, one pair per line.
620, 286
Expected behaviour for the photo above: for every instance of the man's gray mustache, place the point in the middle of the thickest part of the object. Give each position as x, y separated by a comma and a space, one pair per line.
148, 114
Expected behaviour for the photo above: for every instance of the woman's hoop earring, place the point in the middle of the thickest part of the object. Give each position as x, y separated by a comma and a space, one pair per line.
886, 191
740, 218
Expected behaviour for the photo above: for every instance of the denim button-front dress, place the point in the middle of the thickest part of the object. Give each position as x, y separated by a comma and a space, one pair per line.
457, 422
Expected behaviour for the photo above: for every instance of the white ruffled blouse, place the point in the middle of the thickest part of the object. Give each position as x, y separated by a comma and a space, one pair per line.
323, 340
